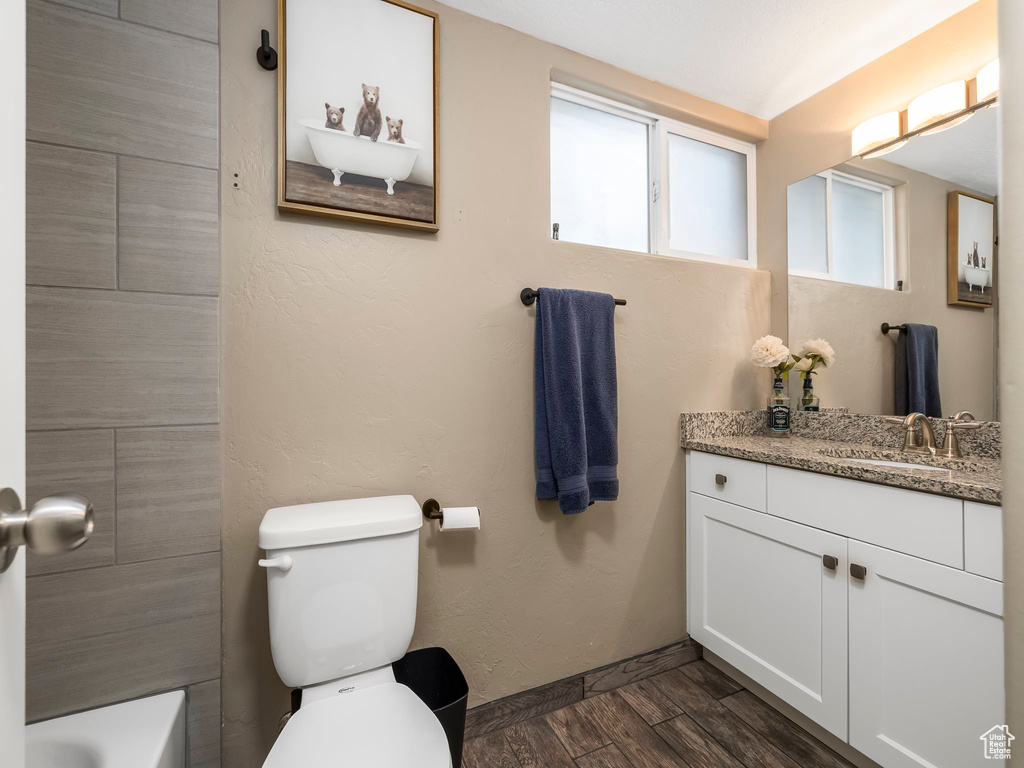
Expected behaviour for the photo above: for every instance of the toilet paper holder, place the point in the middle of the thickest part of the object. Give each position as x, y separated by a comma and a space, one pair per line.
432, 510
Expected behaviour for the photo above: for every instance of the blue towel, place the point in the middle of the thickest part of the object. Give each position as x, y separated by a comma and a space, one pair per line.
575, 399
917, 371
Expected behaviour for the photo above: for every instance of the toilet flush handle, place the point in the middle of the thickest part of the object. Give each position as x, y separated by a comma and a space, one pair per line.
283, 562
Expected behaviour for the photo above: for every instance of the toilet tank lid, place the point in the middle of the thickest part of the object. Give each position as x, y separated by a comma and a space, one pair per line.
327, 522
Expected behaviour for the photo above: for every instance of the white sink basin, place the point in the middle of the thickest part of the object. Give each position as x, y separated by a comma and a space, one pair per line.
898, 464
145, 733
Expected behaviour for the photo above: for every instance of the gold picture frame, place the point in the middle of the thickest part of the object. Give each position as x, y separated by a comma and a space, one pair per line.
970, 250
357, 192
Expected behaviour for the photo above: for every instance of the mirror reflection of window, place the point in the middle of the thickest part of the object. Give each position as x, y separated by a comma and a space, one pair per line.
840, 227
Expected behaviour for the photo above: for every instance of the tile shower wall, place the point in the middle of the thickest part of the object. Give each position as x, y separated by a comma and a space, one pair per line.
122, 327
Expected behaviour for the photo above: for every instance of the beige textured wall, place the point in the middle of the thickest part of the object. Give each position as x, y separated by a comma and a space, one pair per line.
1011, 320
849, 316
361, 361
815, 134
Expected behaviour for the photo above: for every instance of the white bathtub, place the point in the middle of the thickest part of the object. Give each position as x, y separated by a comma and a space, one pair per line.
977, 277
344, 153
145, 733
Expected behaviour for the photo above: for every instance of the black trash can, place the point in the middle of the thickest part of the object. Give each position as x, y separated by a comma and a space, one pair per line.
433, 675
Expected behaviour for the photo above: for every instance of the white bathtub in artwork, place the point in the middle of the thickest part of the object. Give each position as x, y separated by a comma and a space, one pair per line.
145, 733
975, 277
343, 153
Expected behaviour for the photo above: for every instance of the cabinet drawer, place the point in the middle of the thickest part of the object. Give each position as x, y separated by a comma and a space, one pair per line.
919, 524
733, 480
983, 540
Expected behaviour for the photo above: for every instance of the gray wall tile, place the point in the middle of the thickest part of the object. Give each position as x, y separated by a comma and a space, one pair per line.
168, 235
106, 7
197, 18
204, 725
71, 217
120, 87
81, 461
108, 634
109, 358
168, 492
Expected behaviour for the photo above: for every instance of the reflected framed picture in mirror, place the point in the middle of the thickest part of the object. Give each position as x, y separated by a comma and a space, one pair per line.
970, 250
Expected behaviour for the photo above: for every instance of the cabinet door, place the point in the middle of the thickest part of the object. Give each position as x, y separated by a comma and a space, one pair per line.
762, 598
926, 661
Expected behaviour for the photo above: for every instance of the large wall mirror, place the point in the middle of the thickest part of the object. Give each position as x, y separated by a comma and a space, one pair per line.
904, 238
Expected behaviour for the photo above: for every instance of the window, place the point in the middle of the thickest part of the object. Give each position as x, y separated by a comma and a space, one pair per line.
623, 178
840, 227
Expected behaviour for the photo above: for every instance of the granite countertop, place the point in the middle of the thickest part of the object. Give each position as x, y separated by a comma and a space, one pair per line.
826, 442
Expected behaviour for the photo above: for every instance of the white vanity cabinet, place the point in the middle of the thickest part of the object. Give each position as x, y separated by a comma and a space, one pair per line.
867, 608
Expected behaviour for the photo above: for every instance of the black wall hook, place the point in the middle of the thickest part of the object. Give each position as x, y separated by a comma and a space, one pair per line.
265, 55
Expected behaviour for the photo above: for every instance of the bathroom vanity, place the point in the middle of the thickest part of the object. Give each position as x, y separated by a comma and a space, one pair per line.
868, 596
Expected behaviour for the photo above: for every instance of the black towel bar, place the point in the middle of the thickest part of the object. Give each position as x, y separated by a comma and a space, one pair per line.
886, 328
528, 296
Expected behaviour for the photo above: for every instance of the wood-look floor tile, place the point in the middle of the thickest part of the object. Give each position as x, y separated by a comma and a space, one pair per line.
647, 665
606, 757
537, 746
502, 713
694, 745
737, 737
711, 679
803, 748
631, 734
578, 728
490, 751
650, 702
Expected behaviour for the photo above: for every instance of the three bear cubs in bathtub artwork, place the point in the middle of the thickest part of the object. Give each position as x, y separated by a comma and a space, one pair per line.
369, 121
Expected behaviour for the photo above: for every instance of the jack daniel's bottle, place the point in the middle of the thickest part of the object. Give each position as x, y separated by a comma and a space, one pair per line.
778, 411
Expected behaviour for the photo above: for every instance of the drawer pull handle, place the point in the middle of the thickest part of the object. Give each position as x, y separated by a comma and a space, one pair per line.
829, 562
720, 480
858, 571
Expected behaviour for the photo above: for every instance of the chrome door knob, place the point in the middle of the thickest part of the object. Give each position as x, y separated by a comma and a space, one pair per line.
55, 524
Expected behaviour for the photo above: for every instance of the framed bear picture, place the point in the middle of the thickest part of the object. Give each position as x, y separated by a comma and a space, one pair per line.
358, 111
970, 250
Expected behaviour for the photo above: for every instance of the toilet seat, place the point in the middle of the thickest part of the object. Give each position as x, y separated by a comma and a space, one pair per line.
384, 726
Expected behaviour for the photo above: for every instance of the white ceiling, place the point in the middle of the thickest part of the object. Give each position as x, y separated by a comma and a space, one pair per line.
759, 56
967, 154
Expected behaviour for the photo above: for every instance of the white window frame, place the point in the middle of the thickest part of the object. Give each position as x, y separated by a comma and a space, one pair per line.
888, 228
658, 130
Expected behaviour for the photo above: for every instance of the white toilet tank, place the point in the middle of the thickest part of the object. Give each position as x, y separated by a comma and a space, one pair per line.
341, 577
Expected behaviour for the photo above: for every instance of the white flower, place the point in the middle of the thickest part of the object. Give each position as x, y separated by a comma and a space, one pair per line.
769, 352
821, 348
803, 364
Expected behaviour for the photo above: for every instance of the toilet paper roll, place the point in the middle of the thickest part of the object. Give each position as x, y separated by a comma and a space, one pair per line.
460, 518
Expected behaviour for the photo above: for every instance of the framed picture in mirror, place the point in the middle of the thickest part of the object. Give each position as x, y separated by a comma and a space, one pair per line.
358, 111
970, 250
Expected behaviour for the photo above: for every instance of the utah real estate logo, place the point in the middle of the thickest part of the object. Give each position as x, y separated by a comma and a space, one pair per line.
997, 742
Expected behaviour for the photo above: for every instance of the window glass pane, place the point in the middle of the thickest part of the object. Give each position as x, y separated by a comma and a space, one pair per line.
805, 216
598, 177
858, 234
707, 189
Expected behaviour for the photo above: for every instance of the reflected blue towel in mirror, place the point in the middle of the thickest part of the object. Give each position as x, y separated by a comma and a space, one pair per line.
575, 399
917, 371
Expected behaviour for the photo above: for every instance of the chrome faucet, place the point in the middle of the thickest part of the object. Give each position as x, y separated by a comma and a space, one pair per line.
950, 444
913, 442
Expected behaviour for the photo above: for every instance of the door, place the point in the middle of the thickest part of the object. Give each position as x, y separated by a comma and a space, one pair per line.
769, 597
12, 381
926, 661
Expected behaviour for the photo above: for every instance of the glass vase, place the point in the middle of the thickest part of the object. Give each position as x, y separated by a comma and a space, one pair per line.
808, 400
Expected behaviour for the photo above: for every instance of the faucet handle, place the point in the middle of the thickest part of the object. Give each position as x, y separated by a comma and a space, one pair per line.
895, 419
912, 439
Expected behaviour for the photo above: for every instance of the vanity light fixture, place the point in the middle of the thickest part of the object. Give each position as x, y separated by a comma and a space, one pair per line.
931, 112
988, 81
937, 104
879, 130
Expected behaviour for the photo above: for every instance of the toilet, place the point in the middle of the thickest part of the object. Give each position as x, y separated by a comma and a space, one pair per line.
341, 582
